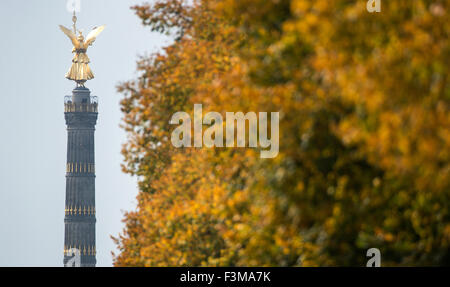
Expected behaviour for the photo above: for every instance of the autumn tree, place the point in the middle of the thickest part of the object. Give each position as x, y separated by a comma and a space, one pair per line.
364, 135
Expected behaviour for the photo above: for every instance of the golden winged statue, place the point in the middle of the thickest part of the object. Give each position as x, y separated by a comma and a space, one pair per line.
80, 71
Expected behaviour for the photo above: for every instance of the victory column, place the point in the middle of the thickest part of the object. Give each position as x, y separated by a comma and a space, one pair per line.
81, 111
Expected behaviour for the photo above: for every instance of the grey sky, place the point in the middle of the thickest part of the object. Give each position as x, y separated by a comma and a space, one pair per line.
34, 57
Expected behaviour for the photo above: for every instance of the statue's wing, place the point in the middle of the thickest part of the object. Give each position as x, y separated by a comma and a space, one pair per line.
93, 35
71, 35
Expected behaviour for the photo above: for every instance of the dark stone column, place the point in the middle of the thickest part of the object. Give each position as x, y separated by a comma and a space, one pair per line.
81, 117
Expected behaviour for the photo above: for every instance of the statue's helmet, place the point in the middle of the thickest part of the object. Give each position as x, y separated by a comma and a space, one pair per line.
80, 37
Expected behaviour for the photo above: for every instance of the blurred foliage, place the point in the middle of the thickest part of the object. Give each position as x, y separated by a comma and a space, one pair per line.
364, 135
